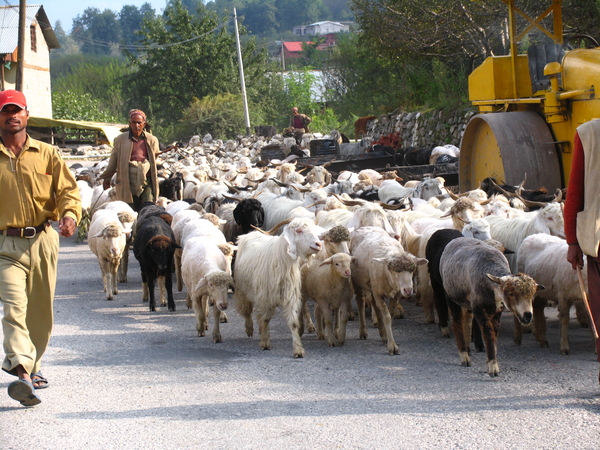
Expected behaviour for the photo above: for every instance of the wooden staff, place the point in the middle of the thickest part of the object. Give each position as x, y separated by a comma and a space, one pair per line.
586, 303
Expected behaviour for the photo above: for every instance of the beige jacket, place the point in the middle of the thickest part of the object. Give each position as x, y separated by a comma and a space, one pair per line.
119, 164
588, 220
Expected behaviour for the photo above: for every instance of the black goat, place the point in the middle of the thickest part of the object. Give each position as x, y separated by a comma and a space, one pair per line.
172, 187
154, 246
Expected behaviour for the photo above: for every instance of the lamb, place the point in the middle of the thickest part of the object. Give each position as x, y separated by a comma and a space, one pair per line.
207, 276
478, 283
107, 241
328, 283
335, 240
267, 275
544, 257
128, 217
381, 267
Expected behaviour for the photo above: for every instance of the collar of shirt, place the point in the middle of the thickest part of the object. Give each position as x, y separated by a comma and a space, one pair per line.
27, 146
142, 136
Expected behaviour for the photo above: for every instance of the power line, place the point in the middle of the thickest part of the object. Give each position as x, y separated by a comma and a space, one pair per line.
147, 47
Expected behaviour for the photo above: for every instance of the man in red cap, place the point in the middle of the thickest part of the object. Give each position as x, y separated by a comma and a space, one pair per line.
37, 187
133, 159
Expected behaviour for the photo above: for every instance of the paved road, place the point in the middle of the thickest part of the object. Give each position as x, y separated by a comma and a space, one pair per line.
124, 378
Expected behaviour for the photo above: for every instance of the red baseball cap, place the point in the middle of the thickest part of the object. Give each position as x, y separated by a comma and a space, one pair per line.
12, 97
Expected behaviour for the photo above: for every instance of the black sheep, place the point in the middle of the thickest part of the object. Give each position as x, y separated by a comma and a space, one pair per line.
153, 246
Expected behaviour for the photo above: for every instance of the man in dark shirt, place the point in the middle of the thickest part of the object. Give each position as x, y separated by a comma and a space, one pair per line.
299, 122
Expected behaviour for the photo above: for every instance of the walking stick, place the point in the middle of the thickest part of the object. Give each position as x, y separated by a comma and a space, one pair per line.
586, 303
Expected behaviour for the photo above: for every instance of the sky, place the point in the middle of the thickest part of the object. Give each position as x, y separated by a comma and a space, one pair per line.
67, 10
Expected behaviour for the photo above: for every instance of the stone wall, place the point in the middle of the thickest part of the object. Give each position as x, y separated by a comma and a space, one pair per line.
423, 130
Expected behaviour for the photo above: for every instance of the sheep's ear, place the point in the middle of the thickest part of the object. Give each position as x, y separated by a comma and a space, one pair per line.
291, 250
421, 261
448, 214
494, 278
327, 261
201, 286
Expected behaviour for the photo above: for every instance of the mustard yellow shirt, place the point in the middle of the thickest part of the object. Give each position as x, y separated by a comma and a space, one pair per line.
35, 187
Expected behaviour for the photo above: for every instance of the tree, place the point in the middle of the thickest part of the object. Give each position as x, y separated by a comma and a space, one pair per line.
68, 46
299, 12
130, 21
97, 31
260, 17
71, 105
471, 30
193, 56
101, 78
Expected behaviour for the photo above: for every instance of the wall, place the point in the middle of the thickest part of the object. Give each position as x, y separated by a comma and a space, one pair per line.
423, 130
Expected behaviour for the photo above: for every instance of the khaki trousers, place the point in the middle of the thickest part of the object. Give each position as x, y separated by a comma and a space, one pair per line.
27, 283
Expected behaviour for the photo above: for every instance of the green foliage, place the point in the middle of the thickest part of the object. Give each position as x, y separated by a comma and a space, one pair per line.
97, 31
80, 106
327, 120
102, 79
297, 88
170, 76
221, 115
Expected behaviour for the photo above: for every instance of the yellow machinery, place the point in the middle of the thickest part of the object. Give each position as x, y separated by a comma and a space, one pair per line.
527, 115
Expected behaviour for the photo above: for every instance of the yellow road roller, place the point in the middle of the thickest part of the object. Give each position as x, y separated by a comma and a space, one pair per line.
529, 106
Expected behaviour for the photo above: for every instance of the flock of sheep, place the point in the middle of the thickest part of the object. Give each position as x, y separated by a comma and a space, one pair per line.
279, 236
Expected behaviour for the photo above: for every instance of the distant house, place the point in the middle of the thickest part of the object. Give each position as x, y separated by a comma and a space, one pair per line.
319, 28
292, 50
39, 39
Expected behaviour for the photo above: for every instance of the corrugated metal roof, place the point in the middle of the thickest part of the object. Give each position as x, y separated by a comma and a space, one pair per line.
9, 26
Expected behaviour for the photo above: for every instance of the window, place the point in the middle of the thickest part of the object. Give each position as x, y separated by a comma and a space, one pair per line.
33, 36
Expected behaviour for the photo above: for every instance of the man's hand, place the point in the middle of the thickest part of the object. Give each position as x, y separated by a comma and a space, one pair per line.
575, 256
66, 225
106, 184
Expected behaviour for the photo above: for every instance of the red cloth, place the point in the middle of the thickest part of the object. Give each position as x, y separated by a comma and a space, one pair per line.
573, 205
298, 122
139, 151
575, 191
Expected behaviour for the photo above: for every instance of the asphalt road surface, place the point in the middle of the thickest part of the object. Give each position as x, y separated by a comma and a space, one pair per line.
122, 377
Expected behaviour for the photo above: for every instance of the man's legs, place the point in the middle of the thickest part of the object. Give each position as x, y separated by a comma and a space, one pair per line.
593, 267
27, 282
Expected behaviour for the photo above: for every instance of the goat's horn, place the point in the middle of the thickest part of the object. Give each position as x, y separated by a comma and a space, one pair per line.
349, 202
273, 230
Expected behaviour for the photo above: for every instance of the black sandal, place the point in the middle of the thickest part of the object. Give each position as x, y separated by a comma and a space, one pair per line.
39, 378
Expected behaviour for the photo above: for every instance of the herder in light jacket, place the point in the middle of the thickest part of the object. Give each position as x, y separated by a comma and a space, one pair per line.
133, 159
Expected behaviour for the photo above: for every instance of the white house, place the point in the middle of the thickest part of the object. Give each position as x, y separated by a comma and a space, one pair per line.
39, 39
319, 28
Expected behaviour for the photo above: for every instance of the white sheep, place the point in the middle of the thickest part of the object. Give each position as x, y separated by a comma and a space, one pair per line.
329, 284
512, 232
106, 238
381, 267
128, 217
544, 258
267, 275
206, 273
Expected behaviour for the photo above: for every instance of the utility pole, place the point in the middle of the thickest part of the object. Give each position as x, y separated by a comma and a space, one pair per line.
241, 65
21, 45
